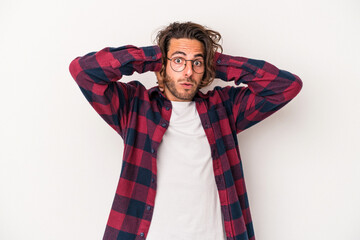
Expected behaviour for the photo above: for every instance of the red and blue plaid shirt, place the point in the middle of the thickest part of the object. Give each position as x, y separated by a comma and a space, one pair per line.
141, 117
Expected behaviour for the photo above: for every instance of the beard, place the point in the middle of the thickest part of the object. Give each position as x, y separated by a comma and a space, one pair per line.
187, 94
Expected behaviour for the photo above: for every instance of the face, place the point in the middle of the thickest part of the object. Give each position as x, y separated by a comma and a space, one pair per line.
182, 86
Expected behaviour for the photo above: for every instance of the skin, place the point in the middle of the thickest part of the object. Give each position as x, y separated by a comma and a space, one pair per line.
182, 86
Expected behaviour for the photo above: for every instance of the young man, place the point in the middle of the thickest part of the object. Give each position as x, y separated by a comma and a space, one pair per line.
181, 176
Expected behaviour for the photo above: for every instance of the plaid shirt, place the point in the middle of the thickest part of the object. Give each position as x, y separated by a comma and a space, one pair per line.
141, 116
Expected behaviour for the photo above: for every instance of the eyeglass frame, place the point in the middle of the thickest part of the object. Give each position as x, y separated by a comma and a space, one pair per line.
192, 64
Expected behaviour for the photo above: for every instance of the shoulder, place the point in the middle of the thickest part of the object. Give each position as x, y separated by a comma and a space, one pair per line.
134, 86
220, 93
139, 90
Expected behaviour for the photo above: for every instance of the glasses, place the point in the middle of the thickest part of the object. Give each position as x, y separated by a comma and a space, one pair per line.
178, 64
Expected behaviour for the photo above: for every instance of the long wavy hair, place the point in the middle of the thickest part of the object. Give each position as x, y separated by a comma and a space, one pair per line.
209, 38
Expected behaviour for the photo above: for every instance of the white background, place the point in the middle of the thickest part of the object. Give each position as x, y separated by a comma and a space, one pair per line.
60, 162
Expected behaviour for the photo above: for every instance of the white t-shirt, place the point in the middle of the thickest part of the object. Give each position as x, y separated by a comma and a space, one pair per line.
187, 205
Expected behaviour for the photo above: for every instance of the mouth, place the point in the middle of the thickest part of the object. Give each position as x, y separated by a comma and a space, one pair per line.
186, 85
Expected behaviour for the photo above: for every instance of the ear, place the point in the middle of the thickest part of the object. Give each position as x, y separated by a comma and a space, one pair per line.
160, 81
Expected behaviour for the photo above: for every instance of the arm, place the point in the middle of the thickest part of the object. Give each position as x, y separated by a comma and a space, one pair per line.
97, 75
268, 88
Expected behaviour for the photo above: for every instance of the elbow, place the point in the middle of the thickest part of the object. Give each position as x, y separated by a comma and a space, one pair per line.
293, 84
293, 89
298, 84
74, 68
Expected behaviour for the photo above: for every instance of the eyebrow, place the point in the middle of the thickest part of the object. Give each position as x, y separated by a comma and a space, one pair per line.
182, 53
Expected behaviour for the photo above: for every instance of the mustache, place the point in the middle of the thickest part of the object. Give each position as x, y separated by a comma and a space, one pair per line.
184, 80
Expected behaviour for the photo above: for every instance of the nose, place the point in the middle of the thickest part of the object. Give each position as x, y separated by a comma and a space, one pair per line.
188, 69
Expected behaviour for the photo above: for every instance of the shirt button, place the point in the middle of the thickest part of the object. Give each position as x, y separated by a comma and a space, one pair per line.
167, 108
152, 150
154, 57
163, 125
218, 61
152, 180
142, 234
148, 208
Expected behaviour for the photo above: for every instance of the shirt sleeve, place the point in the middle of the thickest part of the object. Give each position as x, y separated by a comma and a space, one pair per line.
268, 88
97, 74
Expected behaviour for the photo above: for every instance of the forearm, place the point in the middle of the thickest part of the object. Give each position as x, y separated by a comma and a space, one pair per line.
263, 79
110, 64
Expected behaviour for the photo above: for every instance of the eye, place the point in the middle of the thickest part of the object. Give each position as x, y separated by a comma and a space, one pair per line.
198, 63
178, 60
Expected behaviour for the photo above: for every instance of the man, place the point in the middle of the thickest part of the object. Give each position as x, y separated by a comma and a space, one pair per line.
181, 176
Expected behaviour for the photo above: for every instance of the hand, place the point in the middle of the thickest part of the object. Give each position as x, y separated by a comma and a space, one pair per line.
160, 81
